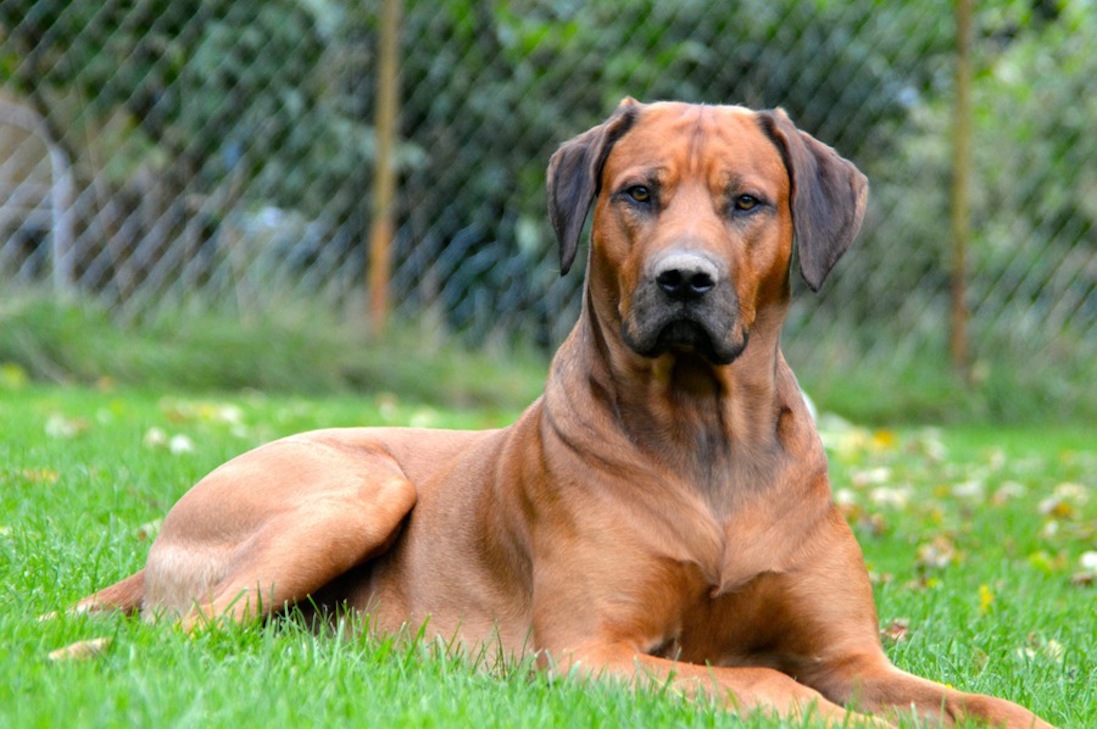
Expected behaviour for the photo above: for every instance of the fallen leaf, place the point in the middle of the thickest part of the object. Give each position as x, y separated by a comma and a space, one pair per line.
81, 651
176, 444
922, 582
149, 530
875, 524
895, 497
845, 497
1057, 508
1041, 647
1054, 650
155, 438
1088, 575
40, 475
974, 490
1083, 579
896, 630
931, 445
58, 426
180, 444
1007, 491
937, 554
1074, 492
880, 578
871, 477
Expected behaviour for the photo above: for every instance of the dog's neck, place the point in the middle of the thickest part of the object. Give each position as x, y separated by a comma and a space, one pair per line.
676, 403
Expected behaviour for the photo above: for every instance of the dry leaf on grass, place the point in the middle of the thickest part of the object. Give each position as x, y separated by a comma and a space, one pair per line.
937, 554
59, 426
81, 651
896, 630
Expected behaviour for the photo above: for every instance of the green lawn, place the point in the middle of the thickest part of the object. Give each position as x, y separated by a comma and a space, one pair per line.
975, 537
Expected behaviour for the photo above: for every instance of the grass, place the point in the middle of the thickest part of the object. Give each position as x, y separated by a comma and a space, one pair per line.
298, 347
302, 347
975, 537
875, 384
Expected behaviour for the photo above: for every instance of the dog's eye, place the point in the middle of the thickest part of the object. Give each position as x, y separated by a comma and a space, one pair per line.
639, 193
743, 203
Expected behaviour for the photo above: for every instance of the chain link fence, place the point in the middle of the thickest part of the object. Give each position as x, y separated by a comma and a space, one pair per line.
155, 153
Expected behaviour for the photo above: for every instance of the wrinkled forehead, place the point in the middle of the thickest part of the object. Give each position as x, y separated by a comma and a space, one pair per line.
687, 140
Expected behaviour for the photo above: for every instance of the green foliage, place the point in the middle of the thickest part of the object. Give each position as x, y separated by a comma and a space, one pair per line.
297, 347
530, 75
1032, 279
1039, 200
233, 108
211, 91
300, 347
922, 388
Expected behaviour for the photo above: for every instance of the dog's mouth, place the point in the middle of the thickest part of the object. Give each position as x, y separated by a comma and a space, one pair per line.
686, 335
707, 326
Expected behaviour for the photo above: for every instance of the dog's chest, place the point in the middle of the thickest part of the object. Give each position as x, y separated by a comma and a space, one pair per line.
738, 628
726, 554
718, 549
735, 588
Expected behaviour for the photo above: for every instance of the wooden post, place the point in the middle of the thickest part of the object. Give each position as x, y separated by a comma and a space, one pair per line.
961, 205
382, 227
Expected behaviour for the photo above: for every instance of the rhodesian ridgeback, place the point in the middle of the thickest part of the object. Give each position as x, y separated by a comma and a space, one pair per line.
663, 510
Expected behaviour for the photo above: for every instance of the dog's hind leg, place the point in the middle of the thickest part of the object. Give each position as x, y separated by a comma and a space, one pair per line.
125, 595
272, 527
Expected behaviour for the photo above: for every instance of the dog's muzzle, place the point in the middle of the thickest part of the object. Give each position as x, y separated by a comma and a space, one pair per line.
685, 303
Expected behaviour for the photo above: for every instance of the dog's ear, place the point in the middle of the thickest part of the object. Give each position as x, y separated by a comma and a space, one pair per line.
575, 174
828, 197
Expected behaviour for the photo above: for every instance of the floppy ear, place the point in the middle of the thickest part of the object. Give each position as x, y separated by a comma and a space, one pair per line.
574, 177
828, 197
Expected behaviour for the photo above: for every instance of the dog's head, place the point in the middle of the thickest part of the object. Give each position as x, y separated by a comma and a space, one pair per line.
696, 211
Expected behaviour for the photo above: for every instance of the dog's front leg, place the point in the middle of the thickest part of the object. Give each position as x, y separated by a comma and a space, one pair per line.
872, 683
746, 690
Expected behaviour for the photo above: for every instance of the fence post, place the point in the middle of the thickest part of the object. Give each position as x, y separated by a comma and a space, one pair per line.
382, 227
961, 205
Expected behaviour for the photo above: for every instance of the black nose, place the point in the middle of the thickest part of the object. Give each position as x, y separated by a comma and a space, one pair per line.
685, 277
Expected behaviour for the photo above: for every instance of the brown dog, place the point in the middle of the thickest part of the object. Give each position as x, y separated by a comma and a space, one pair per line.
663, 510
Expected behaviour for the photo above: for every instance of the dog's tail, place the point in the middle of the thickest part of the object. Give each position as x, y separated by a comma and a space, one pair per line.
126, 595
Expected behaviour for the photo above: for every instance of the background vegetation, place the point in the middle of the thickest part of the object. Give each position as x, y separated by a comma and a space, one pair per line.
306, 349
221, 154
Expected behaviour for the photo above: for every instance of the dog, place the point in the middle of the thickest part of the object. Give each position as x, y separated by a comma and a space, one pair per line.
662, 511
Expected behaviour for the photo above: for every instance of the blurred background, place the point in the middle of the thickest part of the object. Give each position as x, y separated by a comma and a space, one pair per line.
180, 165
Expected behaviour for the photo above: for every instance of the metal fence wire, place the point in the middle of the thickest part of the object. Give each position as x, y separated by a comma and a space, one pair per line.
158, 152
